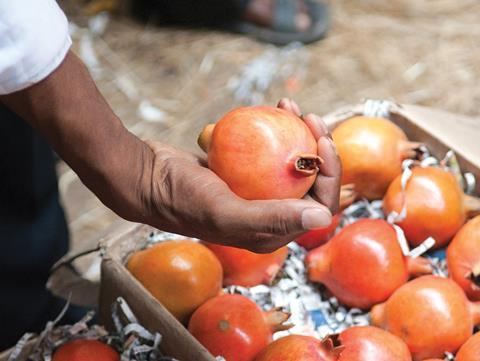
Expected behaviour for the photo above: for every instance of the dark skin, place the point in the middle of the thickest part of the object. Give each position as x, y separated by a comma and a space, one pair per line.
154, 183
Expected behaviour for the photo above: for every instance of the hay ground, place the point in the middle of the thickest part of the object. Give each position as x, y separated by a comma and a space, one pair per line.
414, 51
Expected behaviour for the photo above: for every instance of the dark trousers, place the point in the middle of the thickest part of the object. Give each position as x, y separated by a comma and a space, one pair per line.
189, 12
33, 231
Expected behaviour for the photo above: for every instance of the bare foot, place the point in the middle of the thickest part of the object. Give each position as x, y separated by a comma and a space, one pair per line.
261, 12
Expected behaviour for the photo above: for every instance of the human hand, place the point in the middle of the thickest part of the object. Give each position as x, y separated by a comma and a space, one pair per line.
184, 196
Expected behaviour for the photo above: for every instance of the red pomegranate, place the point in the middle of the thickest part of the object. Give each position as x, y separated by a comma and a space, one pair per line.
372, 344
431, 314
245, 268
262, 152
234, 327
470, 351
436, 205
463, 258
363, 264
317, 237
372, 151
300, 348
85, 350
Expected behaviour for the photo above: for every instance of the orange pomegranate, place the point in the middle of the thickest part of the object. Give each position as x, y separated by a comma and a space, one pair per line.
371, 151
262, 152
180, 274
463, 258
363, 264
233, 326
85, 350
431, 314
245, 268
300, 348
372, 344
436, 205
470, 350
317, 237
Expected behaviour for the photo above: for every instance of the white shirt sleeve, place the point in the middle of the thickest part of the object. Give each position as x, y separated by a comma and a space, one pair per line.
34, 40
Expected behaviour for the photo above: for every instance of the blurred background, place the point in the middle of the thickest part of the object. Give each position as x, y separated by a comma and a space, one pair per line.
166, 83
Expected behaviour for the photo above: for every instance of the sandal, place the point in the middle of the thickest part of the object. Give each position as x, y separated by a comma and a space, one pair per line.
283, 29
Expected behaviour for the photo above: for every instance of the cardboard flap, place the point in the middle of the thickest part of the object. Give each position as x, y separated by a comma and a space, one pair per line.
77, 274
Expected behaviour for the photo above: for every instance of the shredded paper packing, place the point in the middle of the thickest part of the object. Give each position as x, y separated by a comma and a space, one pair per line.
131, 339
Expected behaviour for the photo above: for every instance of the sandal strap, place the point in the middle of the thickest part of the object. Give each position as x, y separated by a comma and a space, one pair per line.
284, 15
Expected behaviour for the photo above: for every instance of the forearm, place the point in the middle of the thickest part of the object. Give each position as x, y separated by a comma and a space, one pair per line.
70, 112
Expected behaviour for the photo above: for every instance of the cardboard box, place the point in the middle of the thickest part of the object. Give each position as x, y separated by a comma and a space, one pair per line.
441, 131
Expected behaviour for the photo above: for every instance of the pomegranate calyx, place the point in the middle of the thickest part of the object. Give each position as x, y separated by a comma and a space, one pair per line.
409, 149
474, 276
308, 164
377, 315
205, 137
419, 266
472, 205
333, 345
276, 319
347, 195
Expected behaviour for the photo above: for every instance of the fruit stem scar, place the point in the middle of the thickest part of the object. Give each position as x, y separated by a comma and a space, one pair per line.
223, 325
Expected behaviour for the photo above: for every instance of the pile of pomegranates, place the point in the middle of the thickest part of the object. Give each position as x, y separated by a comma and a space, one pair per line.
269, 153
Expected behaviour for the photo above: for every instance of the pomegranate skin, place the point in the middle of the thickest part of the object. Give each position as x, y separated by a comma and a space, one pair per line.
435, 205
463, 258
372, 344
299, 348
255, 151
470, 350
245, 268
371, 151
233, 326
349, 265
431, 314
85, 350
180, 274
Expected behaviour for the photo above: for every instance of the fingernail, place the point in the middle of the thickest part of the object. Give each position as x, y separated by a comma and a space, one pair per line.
314, 218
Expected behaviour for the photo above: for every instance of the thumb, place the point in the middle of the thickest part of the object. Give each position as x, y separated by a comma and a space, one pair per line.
283, 217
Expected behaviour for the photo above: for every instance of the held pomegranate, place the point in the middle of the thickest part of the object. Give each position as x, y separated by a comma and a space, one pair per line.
431, 314
436, 205
245, 268
180, 274
262, 152
85, 350
234, 327
300, 348
317, 237
470, 351
363, 264
372, 344
371, 151
463, 258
